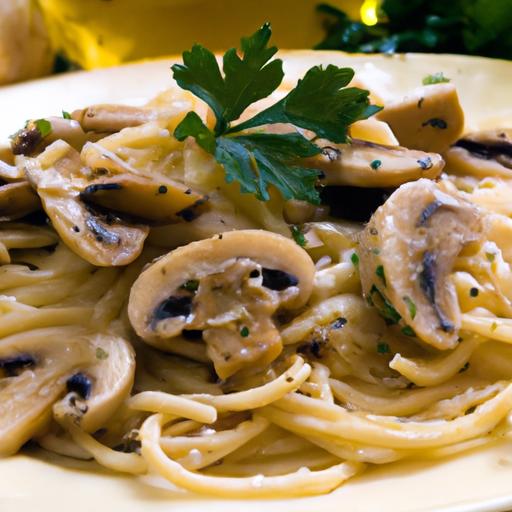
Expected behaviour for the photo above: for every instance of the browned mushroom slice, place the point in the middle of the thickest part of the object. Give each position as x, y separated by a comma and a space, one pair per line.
33, 370
99, 387
113, 118
406, 255
487, 153
40, 133
17, 200
364, 164
102, 239
226, 290
161, 201
430, 119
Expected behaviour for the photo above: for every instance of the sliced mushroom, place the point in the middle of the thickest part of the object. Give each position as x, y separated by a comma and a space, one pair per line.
365, 164
34, 366
163, 201
487, 153
31, 140
407, 253
102, 239
99, 388
113, 118
17, 200
430, 119
228, 287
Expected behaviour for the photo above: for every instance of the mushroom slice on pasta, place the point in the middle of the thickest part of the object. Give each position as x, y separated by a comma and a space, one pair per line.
100, 237
365, 164
108, 118
407, 253
483, 154
430, 118
161, 201
34, 366
97, 390
224, 291
17, 200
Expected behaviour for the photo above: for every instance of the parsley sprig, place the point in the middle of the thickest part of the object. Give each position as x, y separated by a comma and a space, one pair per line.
320, 103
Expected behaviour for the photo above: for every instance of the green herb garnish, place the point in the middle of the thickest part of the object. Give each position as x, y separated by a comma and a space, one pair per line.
408, 331
490, 256
411, 306
244, 332
320, 102
379, 271
43, 126
436, 78
375, 164
385, 308
383, 348
101, 354
191, 285
298, 236
472, 27
66, 115
464, 368
354, 258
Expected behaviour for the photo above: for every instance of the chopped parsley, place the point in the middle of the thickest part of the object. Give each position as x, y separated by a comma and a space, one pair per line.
385, 308
354, 258
383, 348
101, 354
490, 256
494, 326
191, 285
320, 103
436, 78
408, 331
411, 306
66, 115
379, 271
244, 332
298, 236
43, 126
375, 164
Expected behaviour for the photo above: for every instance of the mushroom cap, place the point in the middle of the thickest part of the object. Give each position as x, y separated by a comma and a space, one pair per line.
36, 365
365, 164
483, 154
430, 118
101, 239
161, 201
226, 258
17, 200
407, 252
110, 372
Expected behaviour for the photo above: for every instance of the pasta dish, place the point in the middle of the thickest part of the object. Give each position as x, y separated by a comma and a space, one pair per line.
256, 288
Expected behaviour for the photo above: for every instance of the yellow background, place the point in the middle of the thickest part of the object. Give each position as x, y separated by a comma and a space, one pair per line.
97, 33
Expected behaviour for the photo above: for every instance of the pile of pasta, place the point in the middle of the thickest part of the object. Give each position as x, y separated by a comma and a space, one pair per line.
194, 338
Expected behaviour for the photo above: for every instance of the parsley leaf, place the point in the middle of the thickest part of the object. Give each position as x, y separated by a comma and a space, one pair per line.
43, 126
66, 115
260, 159
245, 80
436, 78
320, 102
298, 236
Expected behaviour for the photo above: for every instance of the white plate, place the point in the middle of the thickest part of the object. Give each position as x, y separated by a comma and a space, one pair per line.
477, 481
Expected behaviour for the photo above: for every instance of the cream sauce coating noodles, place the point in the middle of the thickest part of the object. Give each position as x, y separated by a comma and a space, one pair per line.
161, 321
